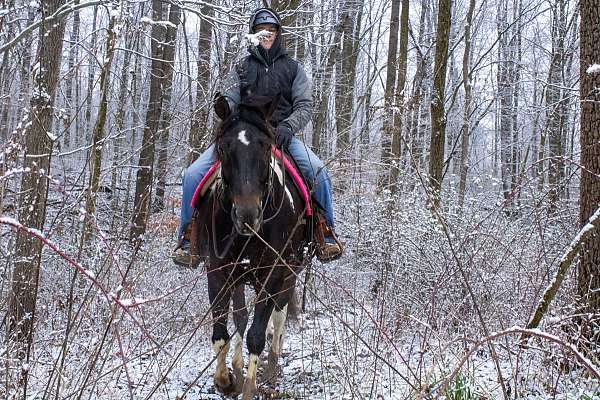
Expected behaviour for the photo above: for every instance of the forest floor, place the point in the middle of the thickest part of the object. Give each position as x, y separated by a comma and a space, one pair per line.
389, 320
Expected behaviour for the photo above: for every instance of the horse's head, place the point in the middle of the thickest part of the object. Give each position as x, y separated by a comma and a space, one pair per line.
243, 144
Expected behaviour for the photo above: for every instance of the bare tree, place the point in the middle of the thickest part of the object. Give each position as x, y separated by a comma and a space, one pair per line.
467, 84
34, 185
438, 115
168, 56
145, 172
98, 134
199, 126
555, 103
588, 277
350, 22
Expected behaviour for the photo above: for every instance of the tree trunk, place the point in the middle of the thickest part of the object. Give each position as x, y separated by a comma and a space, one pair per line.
554, 104
71, 78
466, 126
91, 75
389, 94
34, 186
117, 155
145, 172
588, 277
438, 116
322, 98
505, 125
167, 88
199, 126
399, 98
98, 134
350, 22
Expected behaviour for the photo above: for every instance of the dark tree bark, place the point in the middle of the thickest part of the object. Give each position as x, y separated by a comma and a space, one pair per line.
167, 88
34, 185
588, 277
466, 127
350, 22
390, 88
71, 78
399, 98
199, 126
145, 172
438, 115
323, 89
98, 134
555, 109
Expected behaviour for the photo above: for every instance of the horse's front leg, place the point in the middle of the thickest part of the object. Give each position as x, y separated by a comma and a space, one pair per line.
240, 319
219, 292
256, 343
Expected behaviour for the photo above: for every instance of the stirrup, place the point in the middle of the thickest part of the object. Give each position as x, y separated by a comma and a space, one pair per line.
187, 256
326, 251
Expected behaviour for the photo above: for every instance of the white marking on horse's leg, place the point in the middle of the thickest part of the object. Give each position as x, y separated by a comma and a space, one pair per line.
242, 137
270, 327
278, 327
290, 198
238, 355
221, 372
250, 382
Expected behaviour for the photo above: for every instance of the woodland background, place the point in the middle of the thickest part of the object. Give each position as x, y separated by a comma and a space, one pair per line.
465, 160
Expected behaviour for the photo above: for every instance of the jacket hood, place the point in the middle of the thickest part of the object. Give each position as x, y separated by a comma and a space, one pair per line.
267, 57
264, 10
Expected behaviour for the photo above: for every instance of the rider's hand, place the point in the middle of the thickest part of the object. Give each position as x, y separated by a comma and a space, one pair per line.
283, 136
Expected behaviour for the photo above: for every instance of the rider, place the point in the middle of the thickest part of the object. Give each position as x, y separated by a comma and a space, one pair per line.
268, 71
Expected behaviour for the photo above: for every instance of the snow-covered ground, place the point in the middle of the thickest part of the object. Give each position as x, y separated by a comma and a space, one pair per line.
389, 320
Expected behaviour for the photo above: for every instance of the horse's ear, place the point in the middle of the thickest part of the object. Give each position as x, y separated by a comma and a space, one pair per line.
270, 107
221, 106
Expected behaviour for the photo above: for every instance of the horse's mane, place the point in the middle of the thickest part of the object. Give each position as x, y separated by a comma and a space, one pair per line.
251, 111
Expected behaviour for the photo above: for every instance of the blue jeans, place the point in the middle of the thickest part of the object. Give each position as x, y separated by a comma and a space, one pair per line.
310, 165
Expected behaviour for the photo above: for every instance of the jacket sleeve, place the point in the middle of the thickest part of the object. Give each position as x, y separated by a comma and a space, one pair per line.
230, 88
302, 102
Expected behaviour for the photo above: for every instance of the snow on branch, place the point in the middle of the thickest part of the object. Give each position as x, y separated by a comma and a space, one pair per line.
255, 38
150, 21
593, 69
110, 297
565, 262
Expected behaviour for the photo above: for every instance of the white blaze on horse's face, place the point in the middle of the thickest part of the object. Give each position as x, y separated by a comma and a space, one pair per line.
242, 138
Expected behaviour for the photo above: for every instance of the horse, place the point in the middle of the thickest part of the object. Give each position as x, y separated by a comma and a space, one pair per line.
254, 231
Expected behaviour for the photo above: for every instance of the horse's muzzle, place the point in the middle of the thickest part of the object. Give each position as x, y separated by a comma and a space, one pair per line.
247, 219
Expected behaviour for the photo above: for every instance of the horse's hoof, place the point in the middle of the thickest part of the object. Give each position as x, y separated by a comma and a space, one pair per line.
248, 391
238, 381
227, 389
271, 373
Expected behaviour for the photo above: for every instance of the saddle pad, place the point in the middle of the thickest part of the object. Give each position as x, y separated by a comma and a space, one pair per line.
212, 174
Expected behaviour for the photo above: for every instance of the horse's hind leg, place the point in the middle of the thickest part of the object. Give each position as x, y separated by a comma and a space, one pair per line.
220, 296
240, 319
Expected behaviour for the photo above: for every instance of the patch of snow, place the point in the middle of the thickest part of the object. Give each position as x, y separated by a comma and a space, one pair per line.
255, 38
593, 69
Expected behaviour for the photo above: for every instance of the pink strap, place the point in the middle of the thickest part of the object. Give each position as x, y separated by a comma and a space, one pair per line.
203, 182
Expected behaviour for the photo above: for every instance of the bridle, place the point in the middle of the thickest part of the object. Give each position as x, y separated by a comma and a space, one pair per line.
267, 194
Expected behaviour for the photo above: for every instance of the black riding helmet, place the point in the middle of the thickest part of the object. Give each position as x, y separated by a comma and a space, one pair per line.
264, 16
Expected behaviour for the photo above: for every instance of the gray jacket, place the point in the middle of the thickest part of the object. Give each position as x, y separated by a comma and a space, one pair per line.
301, 93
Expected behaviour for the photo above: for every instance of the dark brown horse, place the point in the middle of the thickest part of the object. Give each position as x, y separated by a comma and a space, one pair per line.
254, 230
